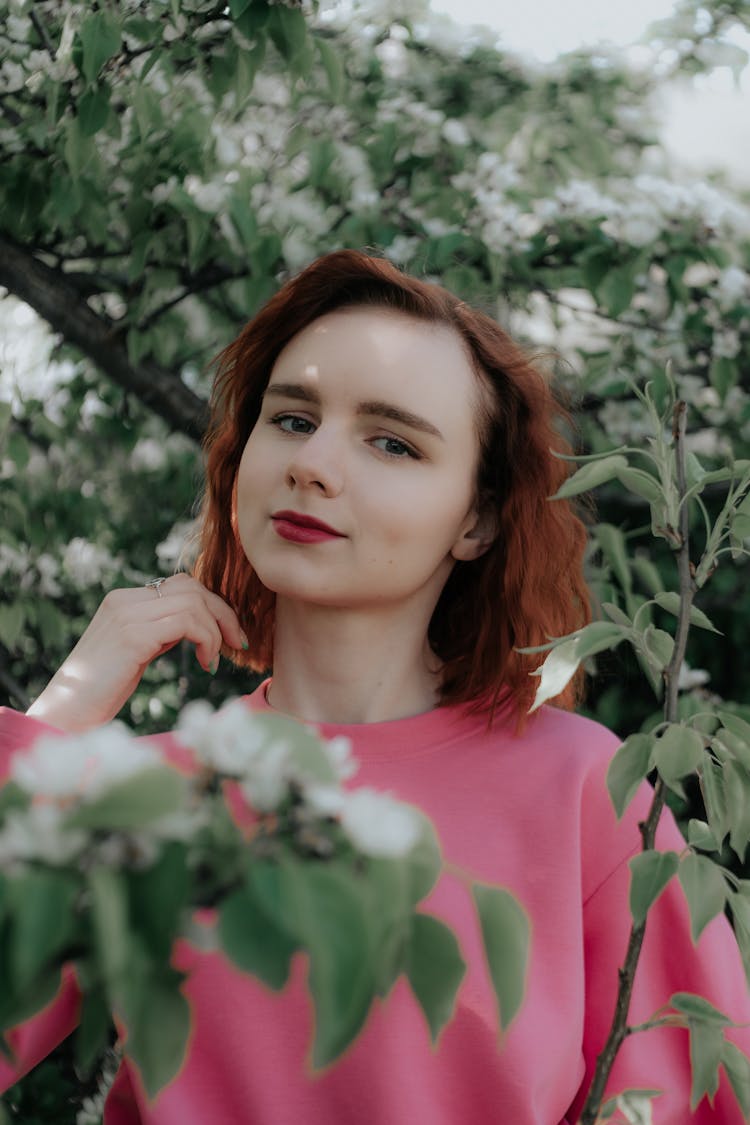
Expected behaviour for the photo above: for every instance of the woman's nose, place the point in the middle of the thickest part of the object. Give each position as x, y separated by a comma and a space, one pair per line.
316, 463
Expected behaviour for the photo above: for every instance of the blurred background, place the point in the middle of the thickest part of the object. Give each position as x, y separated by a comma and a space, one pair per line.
582, 173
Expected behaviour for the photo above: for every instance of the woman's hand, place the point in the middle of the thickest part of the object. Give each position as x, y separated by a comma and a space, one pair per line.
130, 629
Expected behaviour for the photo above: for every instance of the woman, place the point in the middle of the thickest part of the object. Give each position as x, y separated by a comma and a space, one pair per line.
376, 527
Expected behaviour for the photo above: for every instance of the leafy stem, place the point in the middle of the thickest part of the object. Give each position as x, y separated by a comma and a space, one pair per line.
619, 1028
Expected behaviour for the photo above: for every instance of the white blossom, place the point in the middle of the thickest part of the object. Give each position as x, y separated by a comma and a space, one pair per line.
338, 750
148, 453
691, 677
640, 228
379, 825
87, 564
727, 343
402, 249
48, 569
209, 197
227, 740
64, 768
325, 800
455, 132
733, 286
179, 547
394, 58
267, 783
12, 560
37, 833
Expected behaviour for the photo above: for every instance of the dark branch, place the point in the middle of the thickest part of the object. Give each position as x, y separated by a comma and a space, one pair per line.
51, 293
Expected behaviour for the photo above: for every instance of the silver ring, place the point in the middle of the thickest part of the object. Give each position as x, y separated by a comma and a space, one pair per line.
154, 584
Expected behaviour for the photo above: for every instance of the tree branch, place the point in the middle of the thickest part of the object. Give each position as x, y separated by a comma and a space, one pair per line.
619, 1028
11, 686
58, 300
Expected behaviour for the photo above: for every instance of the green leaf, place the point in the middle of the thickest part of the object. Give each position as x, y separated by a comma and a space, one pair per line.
12, 621
157, 898
590, 476
423, 863
659, 645
650, 873
238, 7
254, 941
506, 934
93, 110
92, 1036
435, 969
628, 768
642, 484
698, 1008
648, 574
712, 787
706, 1052
724, 374
562, 662
737, 1066
333, 66
614, 613
78, 148
701, 836
109, 916
157, 1018
618, 287
389, 888
737, 791
244, 220
12, 796
670, 601
705, 890
41, 907
17, 1008
328, 905
288, 30
100, 39
677, 753
147, 796
735, 724
612, 542
52, 625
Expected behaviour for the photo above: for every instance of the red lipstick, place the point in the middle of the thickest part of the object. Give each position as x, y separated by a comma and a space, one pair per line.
298, 528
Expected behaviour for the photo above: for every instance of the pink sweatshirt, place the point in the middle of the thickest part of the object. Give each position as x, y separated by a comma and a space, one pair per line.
530, 813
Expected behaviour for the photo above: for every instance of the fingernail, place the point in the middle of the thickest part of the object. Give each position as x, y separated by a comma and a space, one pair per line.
213, 666
245, 641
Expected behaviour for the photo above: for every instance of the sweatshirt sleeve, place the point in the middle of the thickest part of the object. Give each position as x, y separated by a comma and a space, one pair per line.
37, 1037
659, 1058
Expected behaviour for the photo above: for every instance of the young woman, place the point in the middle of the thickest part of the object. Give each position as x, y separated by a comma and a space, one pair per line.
376, 527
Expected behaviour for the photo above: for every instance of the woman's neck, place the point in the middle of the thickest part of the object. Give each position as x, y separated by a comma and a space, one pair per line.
338, 666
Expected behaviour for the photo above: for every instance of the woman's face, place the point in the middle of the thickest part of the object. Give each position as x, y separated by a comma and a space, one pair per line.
368, 424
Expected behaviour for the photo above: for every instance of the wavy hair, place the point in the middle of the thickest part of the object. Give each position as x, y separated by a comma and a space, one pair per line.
529, 585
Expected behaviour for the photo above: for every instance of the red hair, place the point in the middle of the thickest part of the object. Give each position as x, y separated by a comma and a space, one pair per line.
526, 588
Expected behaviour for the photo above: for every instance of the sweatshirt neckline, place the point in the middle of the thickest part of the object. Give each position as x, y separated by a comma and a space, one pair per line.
409, 737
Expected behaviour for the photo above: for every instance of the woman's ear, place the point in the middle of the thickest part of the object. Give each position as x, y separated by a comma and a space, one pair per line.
478, 536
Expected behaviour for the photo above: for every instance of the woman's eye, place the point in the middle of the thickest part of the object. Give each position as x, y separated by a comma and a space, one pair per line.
394, 447
293, 424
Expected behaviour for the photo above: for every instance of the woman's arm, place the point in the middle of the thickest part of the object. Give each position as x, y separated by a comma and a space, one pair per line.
130, 629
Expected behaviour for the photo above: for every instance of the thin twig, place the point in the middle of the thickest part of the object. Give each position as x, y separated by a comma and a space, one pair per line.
619, 1028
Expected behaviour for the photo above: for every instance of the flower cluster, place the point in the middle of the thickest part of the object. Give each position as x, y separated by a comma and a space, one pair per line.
271, 757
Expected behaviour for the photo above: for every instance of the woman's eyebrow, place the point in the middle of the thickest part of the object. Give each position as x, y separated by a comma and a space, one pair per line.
371, 408
398, 414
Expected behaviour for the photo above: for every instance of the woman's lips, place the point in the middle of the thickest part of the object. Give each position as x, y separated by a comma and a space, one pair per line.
298, 528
